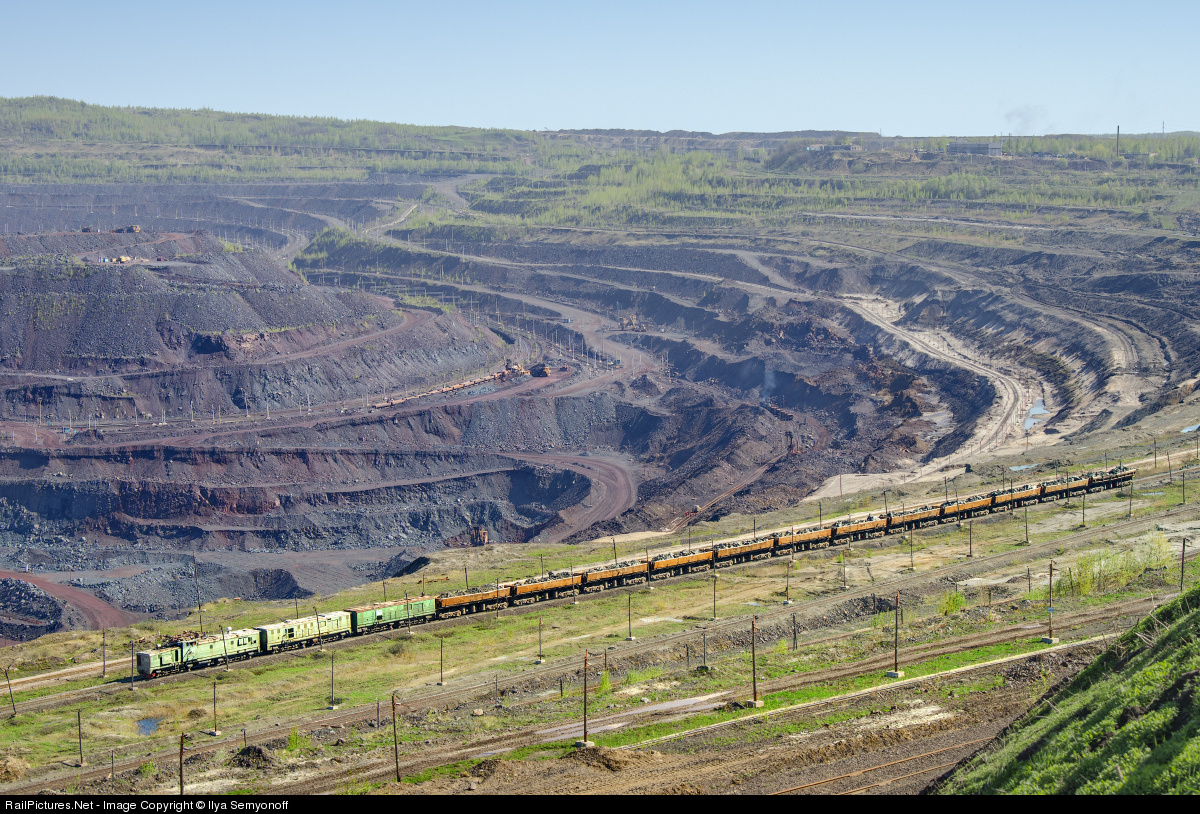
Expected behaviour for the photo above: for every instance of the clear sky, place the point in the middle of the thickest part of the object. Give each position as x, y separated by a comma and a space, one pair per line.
942, 68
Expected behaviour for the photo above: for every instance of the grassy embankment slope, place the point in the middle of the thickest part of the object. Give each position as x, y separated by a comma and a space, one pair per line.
1128, 724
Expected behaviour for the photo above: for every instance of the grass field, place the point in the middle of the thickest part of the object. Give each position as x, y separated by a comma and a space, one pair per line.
1129, 724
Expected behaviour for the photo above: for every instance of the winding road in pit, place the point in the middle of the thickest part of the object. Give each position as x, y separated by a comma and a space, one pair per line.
98, 613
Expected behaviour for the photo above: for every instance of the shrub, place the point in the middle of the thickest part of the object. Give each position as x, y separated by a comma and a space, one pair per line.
296, 741
951, 602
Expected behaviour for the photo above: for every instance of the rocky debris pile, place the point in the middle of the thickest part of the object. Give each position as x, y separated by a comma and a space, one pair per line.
168, 587
12, 768
644, 387
613, 760
253, 757
63, 312
26, 611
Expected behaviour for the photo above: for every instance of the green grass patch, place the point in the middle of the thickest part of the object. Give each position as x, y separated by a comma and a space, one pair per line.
457, 769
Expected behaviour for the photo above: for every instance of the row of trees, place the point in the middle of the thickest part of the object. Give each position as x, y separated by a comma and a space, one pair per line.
641, 188
47, 118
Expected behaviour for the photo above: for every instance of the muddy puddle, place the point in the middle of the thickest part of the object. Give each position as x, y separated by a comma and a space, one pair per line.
147, 726
1034, 416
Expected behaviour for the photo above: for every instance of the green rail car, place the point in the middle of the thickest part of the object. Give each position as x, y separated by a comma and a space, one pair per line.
397, 613
293, 633
192, 654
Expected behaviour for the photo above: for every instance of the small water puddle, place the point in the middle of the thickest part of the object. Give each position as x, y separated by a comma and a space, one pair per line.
1192, 428
1038, 409
1023, 467
148, 726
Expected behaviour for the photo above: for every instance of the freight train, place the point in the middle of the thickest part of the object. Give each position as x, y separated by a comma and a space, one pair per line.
232, 645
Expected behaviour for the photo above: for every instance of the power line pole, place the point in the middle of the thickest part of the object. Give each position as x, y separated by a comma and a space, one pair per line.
12, 701
895, 673
585, 742
754, 662
1182, 557
395, 739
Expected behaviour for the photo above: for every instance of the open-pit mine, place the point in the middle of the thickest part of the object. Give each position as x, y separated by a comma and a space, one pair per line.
358, 457
278, 389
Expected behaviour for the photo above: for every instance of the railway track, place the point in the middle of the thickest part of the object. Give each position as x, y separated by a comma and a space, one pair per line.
978, 565
426, 757
382, 770
888, 765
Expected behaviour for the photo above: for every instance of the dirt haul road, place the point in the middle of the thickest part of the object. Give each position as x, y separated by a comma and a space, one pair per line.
612, 486
98, 613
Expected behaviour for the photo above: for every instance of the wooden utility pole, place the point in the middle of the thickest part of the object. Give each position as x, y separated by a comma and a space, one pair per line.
10, 692
629, 617
79, 729
132, 663
585, 689
896, 638
1183, 549
395, 739
180, 764
1050, 604
754, 659
103, 656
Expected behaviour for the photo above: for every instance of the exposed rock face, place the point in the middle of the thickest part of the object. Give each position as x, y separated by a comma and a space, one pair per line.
27, 611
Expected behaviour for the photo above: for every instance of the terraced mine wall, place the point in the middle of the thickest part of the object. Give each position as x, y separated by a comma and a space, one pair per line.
799, 352
161, 499
262, 213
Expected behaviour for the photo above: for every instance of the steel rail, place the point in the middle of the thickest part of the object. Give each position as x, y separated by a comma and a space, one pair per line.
877, 768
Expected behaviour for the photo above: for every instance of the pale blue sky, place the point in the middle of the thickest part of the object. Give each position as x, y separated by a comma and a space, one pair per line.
941, 68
